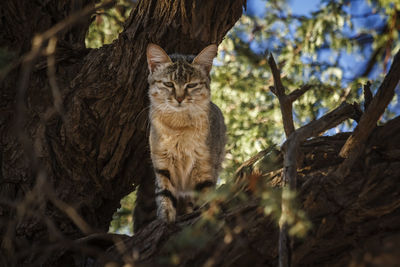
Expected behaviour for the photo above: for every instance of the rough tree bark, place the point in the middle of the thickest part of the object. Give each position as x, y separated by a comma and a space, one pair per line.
63, 176
64, 173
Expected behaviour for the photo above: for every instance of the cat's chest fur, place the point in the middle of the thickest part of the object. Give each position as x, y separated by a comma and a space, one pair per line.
180, 139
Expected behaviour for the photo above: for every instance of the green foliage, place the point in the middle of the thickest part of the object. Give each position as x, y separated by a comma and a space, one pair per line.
122, 218
250, 111
107, 24
312, 49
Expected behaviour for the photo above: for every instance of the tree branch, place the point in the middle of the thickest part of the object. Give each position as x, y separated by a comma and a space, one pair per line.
99, 146
293, 96
291, 151
285, 101
279, 91
354, 146
367, 95
289, 177
314, 128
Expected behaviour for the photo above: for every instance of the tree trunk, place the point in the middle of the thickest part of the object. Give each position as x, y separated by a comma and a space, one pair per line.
64, 171
356, 223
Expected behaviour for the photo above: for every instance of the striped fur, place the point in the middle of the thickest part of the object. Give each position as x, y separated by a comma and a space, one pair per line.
187, 134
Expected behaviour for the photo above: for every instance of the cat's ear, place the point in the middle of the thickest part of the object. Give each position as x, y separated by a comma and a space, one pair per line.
156, 56
206, 56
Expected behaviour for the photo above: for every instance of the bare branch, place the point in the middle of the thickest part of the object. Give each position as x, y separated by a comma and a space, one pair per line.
291, 147
51, 73
279, 91
326, 122
285, 101
71, 20
285, 248
357, 112
40, 39
354, 146
367, 95
293, 96
314, 128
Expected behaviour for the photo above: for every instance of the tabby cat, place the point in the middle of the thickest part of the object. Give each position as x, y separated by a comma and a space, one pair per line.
187, 133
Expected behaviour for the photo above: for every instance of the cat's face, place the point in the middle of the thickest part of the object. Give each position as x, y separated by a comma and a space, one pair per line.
179, 83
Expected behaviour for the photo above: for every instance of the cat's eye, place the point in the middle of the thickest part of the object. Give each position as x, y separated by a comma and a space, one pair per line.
169, 84
195, 91
191, 85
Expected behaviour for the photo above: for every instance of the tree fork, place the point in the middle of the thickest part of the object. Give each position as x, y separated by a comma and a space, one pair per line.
96, 152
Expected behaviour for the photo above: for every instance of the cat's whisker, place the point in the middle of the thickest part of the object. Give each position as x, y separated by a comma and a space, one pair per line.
140, 113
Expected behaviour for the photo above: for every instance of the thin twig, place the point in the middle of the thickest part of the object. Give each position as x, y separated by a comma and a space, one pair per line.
39, 39
51, 73
70, 212
71, 20
293, 96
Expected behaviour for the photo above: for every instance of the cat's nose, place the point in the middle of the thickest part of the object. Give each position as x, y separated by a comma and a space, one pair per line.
179, 99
